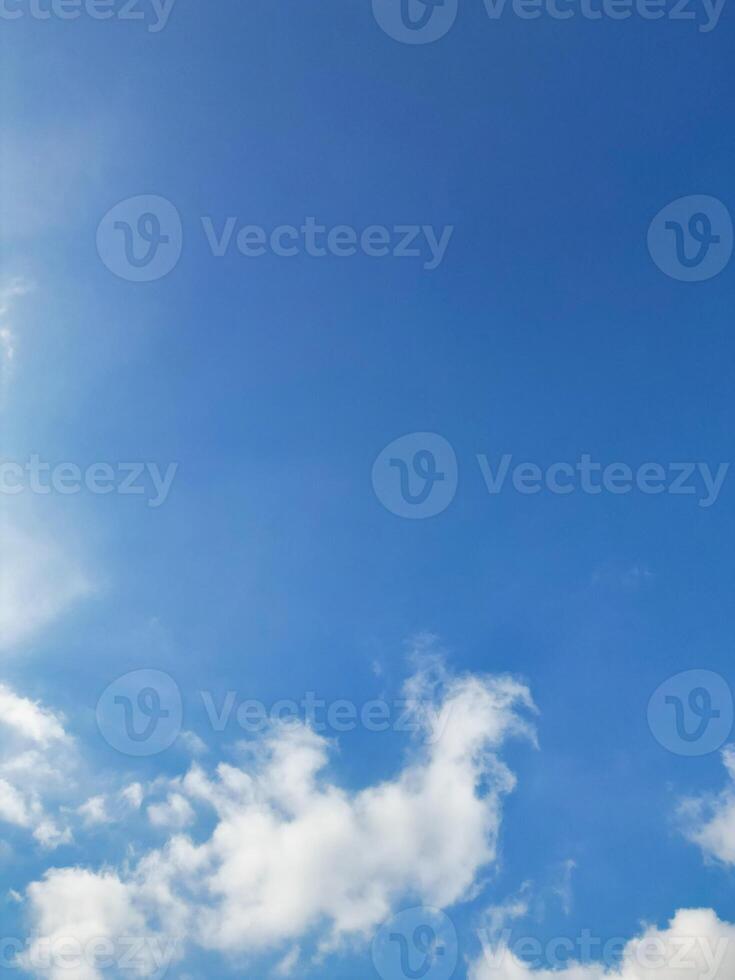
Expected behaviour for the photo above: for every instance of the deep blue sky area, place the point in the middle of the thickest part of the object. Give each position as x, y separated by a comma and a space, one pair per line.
546, 332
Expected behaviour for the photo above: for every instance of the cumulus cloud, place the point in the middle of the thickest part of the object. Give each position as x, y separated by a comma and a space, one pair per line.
173, 814
709, 821
90, 922
36, 757
696, 945
293, 856
111, 808
94, 811
28, 719
38, 580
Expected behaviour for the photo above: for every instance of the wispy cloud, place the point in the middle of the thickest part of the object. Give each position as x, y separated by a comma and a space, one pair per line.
39, 578
8, 339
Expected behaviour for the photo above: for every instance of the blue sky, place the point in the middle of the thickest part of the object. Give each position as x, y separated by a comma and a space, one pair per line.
273, 567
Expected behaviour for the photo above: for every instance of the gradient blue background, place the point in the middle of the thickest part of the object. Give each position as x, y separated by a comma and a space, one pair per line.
546, 332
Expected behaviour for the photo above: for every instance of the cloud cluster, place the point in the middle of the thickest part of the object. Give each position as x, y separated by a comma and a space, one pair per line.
293, 855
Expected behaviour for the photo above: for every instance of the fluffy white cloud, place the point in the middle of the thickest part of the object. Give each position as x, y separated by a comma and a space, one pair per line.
293, 855
113, 808
36, 756
29, 720
89, 923
696, 945
94, 811
709, 821
173, 814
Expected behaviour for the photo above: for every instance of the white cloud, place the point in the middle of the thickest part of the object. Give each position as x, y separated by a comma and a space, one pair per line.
175, 814
293, 855
500, 916
50, 835
286, 966
193, 743
291, 850
94, 811
696, 945
709, 821
88, 922
13, 807
113, 808
28, 719
36, 759
133, 795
